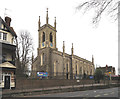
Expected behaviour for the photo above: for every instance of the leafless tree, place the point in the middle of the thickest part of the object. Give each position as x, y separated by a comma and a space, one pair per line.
100, 6
24, 48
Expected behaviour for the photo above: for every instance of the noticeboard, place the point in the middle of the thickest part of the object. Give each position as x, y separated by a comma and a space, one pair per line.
91, 77
42, 74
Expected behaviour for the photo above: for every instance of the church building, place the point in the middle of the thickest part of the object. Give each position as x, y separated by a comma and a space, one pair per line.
57, 64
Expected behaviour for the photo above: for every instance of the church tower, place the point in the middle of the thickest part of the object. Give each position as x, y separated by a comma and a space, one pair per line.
46, 34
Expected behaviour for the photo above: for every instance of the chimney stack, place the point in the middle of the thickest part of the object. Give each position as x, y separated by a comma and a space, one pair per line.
8, 20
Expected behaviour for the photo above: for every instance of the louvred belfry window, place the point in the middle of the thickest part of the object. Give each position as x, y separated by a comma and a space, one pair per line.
51, 37
43, 37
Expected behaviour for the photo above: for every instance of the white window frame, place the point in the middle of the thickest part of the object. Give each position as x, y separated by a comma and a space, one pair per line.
5, 36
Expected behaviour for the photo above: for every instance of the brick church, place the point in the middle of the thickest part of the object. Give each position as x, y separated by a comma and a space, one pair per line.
57, 64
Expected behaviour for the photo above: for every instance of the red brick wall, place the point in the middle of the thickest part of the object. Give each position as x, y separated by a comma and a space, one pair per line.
22, 83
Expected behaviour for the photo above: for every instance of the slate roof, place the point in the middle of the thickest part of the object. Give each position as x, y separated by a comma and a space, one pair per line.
10, 29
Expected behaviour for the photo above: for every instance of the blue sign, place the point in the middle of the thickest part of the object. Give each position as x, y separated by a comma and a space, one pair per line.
42, 74
91, 77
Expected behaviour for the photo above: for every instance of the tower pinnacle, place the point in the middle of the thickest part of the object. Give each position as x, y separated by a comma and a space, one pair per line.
63, 47
47, 16
39, 23
55, 23
72, 49
92, 59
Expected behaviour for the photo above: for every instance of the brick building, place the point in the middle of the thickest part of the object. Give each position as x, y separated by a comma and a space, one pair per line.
7, 54
107, 70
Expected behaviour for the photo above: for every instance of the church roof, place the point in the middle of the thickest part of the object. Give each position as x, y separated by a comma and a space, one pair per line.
7, 65
75, 56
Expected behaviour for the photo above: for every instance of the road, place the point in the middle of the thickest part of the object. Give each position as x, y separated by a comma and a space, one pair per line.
110, 92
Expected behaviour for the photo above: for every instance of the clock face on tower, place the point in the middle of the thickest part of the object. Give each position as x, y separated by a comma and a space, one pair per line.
51, 44
43, 44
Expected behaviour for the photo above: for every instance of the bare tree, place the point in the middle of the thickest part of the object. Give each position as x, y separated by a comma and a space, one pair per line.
100, 6
24, 48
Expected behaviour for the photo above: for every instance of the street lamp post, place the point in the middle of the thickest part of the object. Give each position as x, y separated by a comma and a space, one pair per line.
110, 76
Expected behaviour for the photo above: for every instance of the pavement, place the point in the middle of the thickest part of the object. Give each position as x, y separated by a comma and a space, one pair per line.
25, 92
4, 91
109, 92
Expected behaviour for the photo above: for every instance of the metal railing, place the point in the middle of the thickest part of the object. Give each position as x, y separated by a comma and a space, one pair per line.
57, 75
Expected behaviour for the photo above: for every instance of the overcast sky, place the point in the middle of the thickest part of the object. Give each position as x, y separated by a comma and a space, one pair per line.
72, 27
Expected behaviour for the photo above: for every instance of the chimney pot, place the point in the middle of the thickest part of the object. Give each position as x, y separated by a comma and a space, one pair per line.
8, 20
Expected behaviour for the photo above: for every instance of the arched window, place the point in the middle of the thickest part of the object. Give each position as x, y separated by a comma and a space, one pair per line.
67, 71
87, 73
43, 37
54, 68
91, 72
66, 68
51, 37
76, 69
80, 70
43, 58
